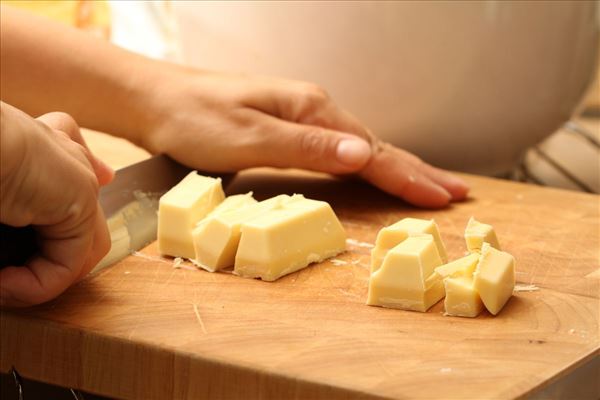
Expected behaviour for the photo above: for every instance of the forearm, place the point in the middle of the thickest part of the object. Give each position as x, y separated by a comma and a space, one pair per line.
47, 67
207, 120
11, 146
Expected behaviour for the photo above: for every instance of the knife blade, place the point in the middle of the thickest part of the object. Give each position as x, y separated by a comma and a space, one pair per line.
130, 204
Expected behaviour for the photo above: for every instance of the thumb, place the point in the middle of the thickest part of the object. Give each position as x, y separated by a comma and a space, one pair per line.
314, 148
65, 123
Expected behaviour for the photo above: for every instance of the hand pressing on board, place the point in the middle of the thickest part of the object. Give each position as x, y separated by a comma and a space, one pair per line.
207, 120
49, 180
227, 122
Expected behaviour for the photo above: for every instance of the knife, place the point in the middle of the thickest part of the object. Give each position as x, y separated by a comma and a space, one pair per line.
130, 205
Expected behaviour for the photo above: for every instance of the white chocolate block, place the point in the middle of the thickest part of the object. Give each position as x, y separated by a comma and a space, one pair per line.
494, 278
462, 300
181, 208
464, 266
393, 235
216, 239
405, 279
231, 203
288, 238
477, 233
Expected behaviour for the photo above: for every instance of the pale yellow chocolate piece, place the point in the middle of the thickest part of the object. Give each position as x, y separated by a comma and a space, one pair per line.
288, 238
393, 235
405, 279
231, 203
494, 278
464, 266
181, 208
477, 233
462, 300
216, 239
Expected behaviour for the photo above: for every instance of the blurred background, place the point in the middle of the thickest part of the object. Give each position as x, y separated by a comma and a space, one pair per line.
505, 89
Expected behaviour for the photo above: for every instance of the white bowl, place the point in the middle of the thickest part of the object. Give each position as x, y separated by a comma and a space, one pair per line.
465, 85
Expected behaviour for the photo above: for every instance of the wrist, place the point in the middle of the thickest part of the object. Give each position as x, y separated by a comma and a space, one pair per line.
129, 112
155, 94
12, 141
17, 135
145, 101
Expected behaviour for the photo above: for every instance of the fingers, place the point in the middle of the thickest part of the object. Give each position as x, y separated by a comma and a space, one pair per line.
457, 188
304, 103
65, 123
394, 170
54, 190
398, 177
288, 144
251, 122
47, 275
40, 282
100, 243
404, 175
62, 262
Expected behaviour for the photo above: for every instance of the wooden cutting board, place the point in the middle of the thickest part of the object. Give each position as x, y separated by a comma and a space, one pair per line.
144, 329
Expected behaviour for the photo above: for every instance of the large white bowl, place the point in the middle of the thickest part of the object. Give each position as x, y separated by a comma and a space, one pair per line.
465, 85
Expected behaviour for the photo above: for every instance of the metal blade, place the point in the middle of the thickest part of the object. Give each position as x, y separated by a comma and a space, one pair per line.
130, 204
155, 176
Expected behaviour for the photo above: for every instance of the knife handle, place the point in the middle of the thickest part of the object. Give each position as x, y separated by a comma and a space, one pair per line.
17, 245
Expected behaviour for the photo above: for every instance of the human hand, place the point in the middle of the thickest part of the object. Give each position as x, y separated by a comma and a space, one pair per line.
211, 121
49, 180
224, 122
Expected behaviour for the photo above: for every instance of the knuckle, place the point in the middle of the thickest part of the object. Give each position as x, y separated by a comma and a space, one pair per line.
83, 156
407, 185
88, 189
67, 124
82, 149
79, 212
94, 186
416, 161
314, 94
242, 118
64, 118
313, 145
62, 135
419, 164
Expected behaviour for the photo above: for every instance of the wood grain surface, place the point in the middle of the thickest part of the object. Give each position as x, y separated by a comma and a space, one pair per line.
144, 329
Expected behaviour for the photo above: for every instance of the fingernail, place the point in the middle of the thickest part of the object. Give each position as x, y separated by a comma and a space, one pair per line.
445, 193
442, 191
353, 152
456, 187
455, 180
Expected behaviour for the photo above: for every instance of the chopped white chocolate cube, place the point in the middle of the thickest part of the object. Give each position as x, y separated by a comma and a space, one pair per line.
462, 300
477, 233
394, 234
405, 279
216, 239
464, 266
288, 238
494, 278
181, 208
